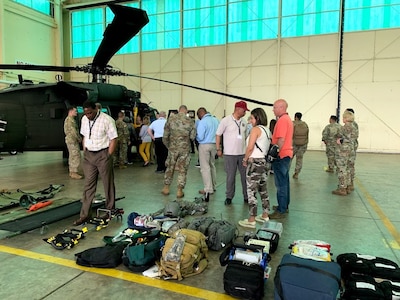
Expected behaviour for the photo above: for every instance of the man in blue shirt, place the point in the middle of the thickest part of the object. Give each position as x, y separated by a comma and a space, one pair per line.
206, 129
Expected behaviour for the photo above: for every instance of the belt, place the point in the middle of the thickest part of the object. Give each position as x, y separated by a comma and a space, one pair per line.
97, 151
159, 138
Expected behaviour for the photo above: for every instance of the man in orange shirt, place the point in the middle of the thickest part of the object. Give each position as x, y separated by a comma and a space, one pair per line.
282, 136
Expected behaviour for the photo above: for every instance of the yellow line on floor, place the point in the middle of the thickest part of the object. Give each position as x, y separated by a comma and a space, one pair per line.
385, 220
128, 276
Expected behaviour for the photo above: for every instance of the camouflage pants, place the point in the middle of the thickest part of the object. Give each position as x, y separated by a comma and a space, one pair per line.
299, 151
178, 161
342, 163
352, 160
121, 153
74, 159
256, 179
330, 154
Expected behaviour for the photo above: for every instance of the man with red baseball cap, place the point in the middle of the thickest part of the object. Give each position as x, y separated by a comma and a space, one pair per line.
233, 128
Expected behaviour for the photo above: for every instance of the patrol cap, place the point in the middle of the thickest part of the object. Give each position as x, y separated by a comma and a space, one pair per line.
241, 104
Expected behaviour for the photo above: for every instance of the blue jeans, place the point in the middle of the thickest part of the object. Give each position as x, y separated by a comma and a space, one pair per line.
281, 175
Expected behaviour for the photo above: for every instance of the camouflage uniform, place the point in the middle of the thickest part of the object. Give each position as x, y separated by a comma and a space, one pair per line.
72, 139
178, 132
300, 142
353, 156
329, 136
344, 158
123, 139
256, 179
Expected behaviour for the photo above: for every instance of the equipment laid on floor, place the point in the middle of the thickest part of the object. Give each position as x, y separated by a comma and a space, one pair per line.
66, 240
104, 216
301, 278
184, 255
246, 271
108, 256
39, 205
30, 198
144, 250
369, 277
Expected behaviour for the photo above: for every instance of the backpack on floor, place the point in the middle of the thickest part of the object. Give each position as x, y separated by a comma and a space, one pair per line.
108, 256
245, 274
184, 255
219, 234
144, 251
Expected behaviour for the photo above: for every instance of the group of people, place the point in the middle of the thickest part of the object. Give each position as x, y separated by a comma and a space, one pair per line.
243, 151
341, 146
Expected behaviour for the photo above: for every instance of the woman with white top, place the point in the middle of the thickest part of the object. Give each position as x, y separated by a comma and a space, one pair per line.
256, 167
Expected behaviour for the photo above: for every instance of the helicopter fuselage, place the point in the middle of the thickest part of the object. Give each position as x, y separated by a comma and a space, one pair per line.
32, 115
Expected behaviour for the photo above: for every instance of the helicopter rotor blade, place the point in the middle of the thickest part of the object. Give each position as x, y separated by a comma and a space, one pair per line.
202, 89
127, 22
36, 68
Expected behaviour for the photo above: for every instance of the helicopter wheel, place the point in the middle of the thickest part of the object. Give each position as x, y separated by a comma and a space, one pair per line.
13, 152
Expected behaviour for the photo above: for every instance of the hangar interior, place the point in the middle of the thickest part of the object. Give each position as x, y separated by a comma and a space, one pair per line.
303, 69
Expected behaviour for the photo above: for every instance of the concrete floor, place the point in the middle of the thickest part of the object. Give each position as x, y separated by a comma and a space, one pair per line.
367, 221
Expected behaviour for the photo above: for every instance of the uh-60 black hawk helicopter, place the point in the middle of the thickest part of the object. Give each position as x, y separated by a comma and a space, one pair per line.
32, 115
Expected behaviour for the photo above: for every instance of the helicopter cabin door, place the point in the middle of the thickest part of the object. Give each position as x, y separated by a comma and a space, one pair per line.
12, 127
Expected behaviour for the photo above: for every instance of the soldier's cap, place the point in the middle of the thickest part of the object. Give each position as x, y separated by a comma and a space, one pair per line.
241, 104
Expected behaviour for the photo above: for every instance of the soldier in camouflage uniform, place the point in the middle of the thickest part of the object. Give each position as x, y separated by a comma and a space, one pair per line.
329, 138
122, 141
299, 142
353, 156
73, 139
346, 140
178, 132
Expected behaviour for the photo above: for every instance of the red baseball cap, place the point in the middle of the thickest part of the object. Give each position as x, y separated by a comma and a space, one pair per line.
241, 104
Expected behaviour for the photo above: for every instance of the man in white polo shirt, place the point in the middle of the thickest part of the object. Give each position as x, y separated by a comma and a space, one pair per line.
233, 130
156, 131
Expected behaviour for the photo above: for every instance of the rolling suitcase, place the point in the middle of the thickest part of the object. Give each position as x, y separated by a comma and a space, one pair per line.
300, 278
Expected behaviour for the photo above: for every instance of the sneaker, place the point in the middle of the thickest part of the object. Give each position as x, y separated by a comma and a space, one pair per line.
245, 223
197, 165
260, 219
228, 201
277, 215
245, 201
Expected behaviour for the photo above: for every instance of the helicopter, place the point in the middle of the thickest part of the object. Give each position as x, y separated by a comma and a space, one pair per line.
32, 114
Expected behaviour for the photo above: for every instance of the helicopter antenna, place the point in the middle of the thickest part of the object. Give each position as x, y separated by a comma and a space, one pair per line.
201, 89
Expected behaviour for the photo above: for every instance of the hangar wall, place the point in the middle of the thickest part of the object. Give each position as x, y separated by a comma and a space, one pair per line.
28, 37
302, 70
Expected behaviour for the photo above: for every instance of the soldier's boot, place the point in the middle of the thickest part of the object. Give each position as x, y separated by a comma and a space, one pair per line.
75, 175
296, 175
350, 188
179, 193
122, 166
165, 190
340, 192
330, 170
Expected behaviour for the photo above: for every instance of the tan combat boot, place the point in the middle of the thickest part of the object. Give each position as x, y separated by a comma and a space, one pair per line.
340, 192
350, 188
165, 190
330, 170
295, 175
75, 175
179, 193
